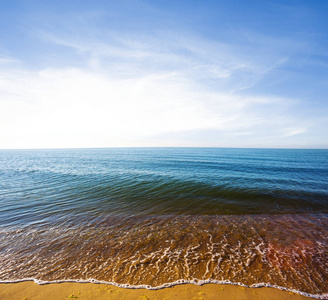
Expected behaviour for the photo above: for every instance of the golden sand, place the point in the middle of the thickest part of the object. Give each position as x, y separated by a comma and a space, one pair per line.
29, 290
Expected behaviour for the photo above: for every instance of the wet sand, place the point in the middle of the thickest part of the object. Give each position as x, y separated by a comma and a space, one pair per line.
29, 290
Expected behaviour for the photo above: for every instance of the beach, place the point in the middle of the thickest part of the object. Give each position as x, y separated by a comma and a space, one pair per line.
163, 150
163, 219
87, 291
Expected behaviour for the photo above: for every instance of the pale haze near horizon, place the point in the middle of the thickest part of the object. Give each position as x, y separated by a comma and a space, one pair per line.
144, 74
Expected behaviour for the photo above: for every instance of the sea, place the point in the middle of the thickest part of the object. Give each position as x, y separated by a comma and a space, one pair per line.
157, 217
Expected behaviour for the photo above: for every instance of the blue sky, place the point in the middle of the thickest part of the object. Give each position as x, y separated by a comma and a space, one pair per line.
163, 73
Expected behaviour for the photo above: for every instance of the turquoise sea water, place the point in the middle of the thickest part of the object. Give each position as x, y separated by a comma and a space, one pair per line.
153, 216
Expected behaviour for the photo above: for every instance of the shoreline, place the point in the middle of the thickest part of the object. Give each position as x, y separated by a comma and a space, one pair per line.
29, 289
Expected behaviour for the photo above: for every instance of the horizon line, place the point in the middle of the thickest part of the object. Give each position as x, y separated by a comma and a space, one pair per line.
161, 147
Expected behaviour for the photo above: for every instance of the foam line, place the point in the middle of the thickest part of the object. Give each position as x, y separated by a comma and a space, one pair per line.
165, 285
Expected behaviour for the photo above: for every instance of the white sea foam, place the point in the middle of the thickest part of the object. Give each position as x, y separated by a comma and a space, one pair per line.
170, 284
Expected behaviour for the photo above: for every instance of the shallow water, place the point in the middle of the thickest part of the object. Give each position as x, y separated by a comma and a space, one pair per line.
153, 216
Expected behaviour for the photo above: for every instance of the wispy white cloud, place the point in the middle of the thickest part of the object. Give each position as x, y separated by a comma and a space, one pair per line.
82, 108
191, 56
8, 60
294, 131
